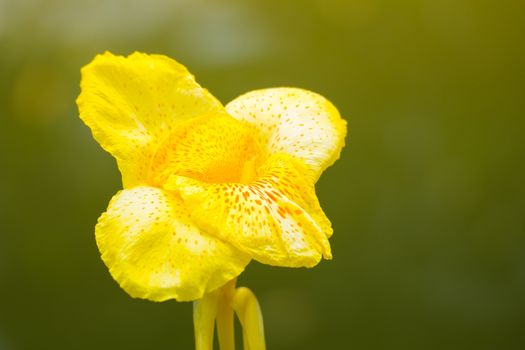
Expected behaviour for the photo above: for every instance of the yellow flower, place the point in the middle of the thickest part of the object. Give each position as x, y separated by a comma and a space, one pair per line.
207, 187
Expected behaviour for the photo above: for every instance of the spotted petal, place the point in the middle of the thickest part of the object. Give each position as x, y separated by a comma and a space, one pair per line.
275, 218
132, 103
154, 251
211, 148
294, 121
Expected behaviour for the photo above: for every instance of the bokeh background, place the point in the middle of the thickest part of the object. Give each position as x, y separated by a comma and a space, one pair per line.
427, 200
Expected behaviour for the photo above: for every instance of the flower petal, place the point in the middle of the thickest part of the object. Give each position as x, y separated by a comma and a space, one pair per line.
294, 121
153, 250
132, 103
212, 148
276, 218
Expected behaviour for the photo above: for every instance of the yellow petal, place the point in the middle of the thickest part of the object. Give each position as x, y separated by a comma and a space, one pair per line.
294, 121
276, 218
153, 250
212, 148
132, 103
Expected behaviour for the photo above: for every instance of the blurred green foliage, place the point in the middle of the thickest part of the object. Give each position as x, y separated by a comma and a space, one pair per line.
427, 200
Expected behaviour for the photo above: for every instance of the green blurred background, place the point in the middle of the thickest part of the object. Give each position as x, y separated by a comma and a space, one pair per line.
427, 200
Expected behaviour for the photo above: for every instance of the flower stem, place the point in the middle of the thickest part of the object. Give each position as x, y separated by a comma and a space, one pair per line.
220, 305
225, 321
247, 309
204, 313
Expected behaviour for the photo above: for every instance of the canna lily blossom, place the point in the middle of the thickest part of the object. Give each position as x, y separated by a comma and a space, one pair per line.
206, 187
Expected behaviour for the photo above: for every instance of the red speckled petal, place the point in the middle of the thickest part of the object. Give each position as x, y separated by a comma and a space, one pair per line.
154, 251
133, 103
275, 218
294, 121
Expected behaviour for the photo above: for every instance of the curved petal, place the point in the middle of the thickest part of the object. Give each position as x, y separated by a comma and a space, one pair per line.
132, 103
211, 148
276, 218
154, 251
294, 121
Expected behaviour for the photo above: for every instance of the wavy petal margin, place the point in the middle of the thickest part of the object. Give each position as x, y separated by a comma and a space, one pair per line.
276, 218
154, 251
133, 103
294, 121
